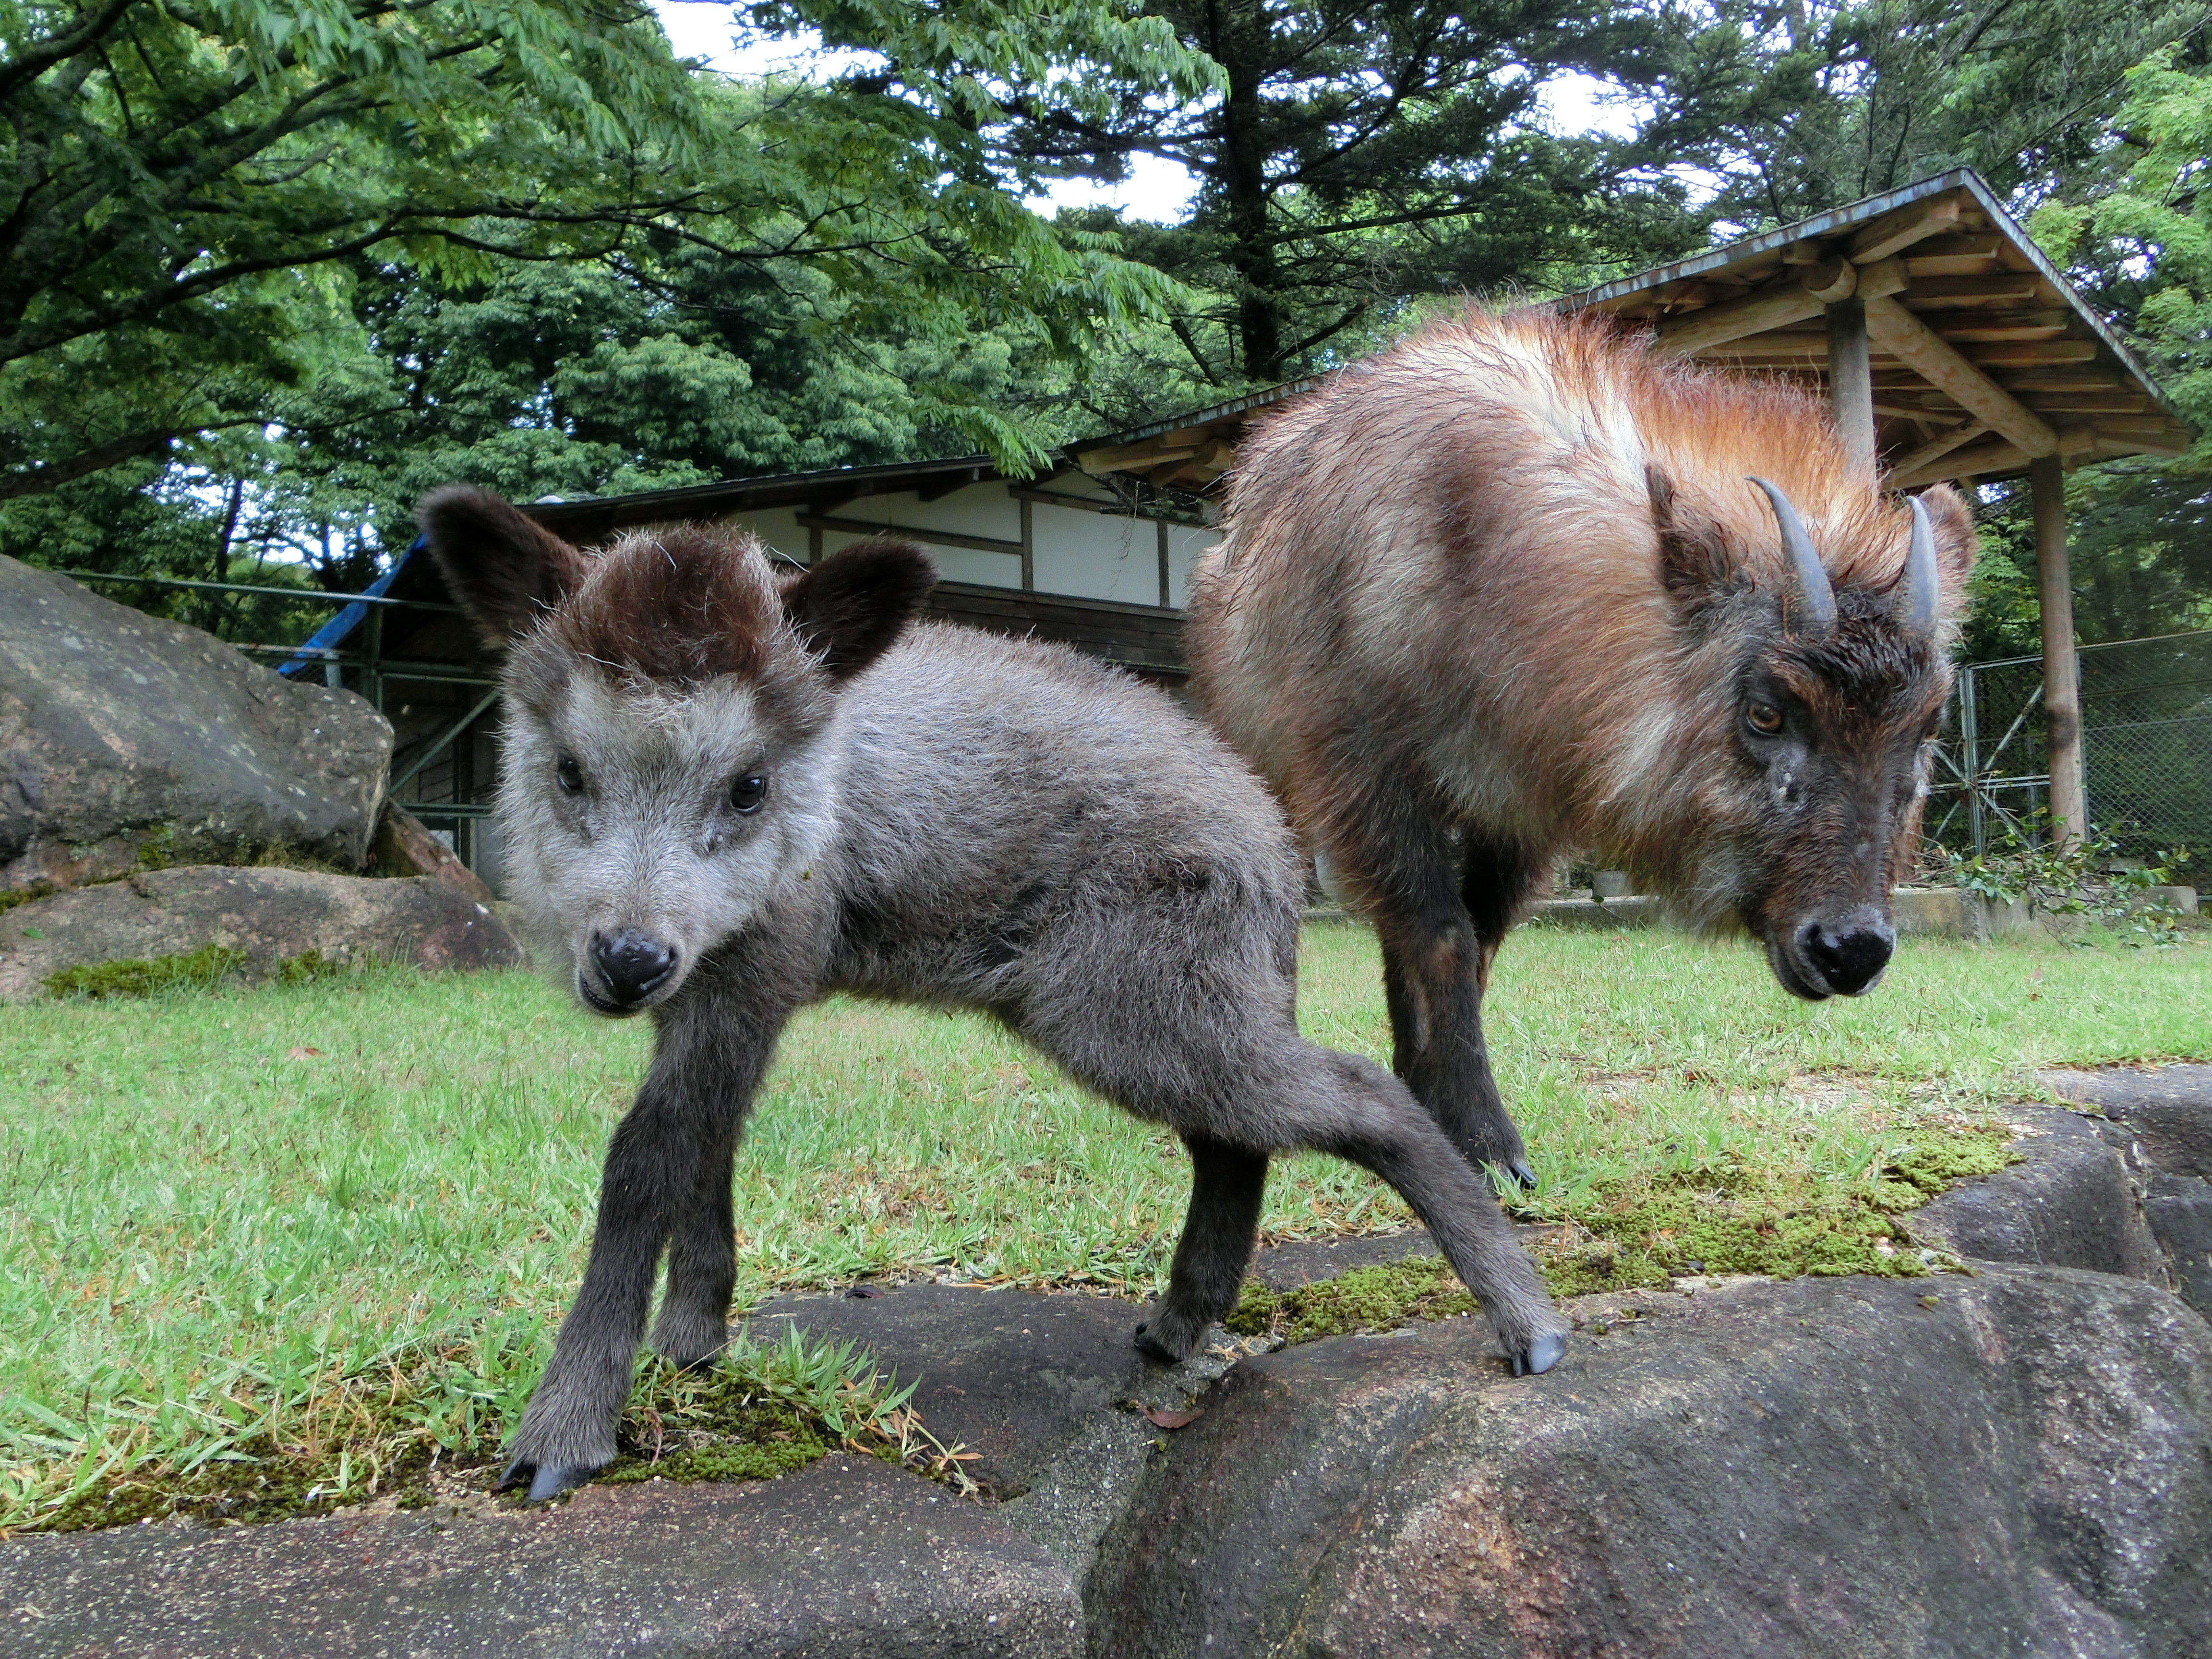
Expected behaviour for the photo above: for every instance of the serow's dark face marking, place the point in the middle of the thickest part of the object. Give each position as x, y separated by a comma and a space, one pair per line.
1832, 734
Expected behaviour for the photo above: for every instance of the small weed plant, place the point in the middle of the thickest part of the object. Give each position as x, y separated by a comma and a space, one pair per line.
2061, 875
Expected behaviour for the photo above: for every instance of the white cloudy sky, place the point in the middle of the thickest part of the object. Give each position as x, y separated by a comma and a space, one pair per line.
1155, 189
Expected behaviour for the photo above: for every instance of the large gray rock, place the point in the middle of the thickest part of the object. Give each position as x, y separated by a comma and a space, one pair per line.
272, 916
2067, 1203
2167, 1110
2160, 1120
1826, 1466
847, 1558
124, 739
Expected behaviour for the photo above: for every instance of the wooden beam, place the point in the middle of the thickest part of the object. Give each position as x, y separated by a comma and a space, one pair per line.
1126, 458
915, 532
1906, 338
2004, 289
1969, 461
2062, 680
1778, 304
2086, 402
1851, 380
2029, 354
1910, 464
2007, 325
1951, 255
1902, 229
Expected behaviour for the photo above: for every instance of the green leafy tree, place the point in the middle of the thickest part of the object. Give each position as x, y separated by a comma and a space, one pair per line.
192, 190
1793, 108
1350, 157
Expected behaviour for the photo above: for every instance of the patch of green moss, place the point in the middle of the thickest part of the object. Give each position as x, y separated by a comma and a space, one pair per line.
1948, 1157
139, 976
156, 852
1686, 1227
1366, 1299
1644, 1235
255, 1483
308, 967
712, 1424
30, 894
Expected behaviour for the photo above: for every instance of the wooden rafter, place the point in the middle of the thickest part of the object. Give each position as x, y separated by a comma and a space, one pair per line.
1904, 335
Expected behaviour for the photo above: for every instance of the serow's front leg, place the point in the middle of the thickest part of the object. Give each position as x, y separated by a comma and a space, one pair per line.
703, 1266
668, 1153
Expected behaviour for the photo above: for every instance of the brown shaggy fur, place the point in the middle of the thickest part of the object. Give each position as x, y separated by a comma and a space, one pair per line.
1507, 589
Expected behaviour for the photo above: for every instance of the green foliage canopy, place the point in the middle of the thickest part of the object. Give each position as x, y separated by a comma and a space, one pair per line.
191, 187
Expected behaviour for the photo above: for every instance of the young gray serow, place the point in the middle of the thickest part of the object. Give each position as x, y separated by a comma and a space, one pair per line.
732, 792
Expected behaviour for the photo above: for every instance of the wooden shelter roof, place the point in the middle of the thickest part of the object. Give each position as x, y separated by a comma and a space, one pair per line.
1983, 356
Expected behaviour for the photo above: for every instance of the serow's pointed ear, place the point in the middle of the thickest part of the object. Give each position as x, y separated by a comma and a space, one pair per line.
1694, 565
505, 569
1957, 542
852, 607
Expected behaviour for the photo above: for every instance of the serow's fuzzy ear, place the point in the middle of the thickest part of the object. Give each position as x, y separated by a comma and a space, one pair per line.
505, 569
1695, 566
1957, 542
852, 607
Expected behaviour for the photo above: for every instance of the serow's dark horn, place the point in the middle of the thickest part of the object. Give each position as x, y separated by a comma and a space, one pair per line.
1921, 580
1812, 579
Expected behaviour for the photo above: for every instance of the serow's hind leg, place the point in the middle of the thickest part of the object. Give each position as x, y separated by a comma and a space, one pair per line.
1227, 1184
1374, 1122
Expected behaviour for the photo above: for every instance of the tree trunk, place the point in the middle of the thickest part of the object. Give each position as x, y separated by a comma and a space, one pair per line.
1240, 49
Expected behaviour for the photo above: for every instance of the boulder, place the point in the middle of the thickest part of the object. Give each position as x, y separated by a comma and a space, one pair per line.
2167, 1110
269, 918
2069, 1202
2019, 1462
127, 741
847, 1558
2161, 1121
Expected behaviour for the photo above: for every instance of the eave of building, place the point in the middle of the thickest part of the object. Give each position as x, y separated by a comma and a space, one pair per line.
1984, 356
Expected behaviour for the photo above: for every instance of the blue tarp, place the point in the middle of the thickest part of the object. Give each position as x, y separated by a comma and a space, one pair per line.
339, 628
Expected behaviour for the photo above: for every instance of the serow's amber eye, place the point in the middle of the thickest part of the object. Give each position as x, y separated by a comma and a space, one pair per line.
1763, 718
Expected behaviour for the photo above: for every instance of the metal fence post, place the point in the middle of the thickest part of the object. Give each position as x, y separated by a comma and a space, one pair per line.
372, 666
1970, 730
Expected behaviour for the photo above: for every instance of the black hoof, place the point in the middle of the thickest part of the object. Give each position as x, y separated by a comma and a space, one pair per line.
546, 1479
1541, 1355
1519, 1169
1152, 1348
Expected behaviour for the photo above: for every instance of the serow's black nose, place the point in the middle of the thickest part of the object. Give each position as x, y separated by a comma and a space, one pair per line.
1849, 962
632, 964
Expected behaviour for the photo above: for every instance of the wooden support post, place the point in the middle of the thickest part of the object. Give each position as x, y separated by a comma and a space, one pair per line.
2062, 683
1850, 379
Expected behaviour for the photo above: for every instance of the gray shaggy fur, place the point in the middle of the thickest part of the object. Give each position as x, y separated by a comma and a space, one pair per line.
941, 816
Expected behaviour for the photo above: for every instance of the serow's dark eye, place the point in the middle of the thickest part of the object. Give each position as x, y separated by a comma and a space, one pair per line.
569, 774
746, 793
1763, 718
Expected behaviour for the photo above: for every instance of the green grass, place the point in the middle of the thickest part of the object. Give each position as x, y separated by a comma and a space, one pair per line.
333, 1225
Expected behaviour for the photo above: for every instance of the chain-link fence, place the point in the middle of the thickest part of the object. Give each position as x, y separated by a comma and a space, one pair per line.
2146, 747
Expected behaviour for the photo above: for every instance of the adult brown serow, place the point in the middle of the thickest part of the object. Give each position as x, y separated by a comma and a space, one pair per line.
1515, 587
730, 792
